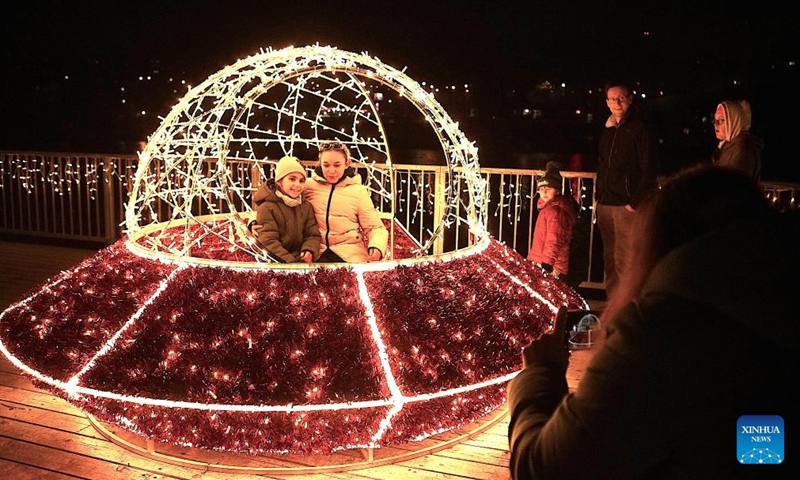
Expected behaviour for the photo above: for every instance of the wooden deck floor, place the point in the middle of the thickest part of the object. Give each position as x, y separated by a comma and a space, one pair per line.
44, 437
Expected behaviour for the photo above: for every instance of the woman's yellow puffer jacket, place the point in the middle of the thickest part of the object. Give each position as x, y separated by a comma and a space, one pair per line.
345, 214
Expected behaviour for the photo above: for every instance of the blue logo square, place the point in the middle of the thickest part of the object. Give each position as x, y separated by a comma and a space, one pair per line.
759, 439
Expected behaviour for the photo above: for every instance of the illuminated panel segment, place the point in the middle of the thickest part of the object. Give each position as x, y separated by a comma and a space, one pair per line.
59, 329
442, 321
248, 338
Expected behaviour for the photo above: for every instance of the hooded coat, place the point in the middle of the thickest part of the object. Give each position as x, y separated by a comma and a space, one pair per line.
286, 231
553, 232
345, 215
740, 149
713, 336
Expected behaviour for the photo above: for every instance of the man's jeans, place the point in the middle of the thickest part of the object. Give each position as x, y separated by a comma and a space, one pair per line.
616, 229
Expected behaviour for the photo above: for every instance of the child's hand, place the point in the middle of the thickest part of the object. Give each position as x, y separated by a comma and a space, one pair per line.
306, 256
374, 254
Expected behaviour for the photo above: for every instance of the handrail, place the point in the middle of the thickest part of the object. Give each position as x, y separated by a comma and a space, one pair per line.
77, 196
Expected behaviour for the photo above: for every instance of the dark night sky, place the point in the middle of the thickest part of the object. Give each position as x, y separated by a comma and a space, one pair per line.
677, 46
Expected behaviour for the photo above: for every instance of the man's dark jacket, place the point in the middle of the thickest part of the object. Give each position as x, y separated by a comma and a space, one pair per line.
627, 164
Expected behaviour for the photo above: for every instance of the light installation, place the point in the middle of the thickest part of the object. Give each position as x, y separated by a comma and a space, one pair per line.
186, 333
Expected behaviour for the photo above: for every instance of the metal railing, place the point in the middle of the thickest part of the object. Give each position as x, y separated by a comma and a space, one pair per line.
83, 197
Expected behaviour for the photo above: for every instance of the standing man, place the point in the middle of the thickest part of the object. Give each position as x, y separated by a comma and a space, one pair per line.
626, 174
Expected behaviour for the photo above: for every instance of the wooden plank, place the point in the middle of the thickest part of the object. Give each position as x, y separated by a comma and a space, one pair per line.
46, 459
27, 265
403, 471
82, 456
468, 451
51, 419
14, 399
464, 469
20, 471
79, 424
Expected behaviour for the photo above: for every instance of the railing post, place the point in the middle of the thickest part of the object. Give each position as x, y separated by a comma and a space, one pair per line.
255, 181
109, 203
440, 185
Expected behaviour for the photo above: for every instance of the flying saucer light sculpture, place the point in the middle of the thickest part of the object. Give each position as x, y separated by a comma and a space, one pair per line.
187, 333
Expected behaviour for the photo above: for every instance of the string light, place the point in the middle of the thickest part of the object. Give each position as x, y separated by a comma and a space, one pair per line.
225, 118
186, 333
200, 328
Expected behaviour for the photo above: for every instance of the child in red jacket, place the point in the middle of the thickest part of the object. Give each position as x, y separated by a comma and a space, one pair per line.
553, 230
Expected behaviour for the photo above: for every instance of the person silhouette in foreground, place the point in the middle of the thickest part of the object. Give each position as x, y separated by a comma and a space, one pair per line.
703, 330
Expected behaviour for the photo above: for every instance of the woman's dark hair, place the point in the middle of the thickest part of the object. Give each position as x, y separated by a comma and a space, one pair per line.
692, 203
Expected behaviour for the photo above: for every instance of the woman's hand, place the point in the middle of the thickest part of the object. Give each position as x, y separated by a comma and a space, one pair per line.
374, 254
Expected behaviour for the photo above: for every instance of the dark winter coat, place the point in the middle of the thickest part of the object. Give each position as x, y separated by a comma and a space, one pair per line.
627, 164
553, 232
743, 152
286, 231
713, 336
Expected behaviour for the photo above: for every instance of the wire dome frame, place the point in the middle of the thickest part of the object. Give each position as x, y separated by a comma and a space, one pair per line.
190, 182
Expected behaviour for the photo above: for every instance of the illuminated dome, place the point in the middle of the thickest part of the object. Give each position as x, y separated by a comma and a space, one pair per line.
189, 186
185, 332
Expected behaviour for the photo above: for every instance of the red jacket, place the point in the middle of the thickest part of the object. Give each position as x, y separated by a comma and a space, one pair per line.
553, 232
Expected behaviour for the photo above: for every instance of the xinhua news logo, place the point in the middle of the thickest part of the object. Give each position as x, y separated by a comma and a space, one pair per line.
759, 440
